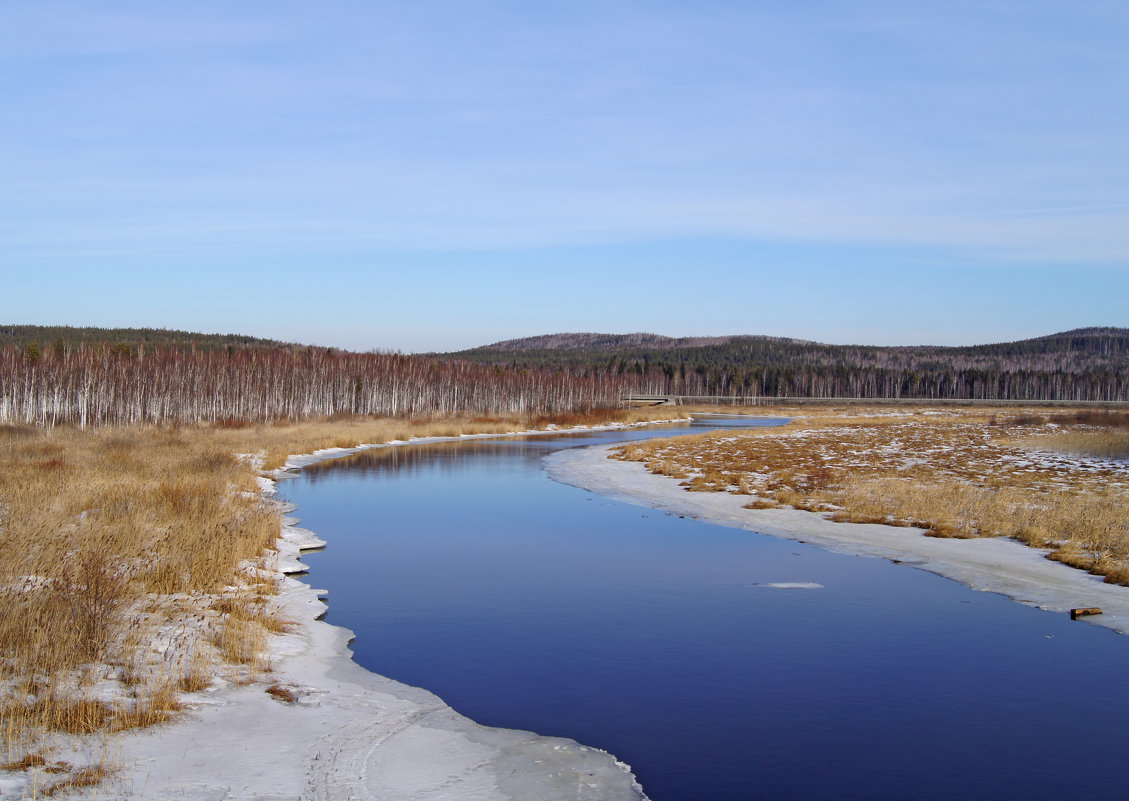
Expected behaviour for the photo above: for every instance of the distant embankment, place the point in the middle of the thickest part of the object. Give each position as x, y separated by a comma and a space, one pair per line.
761, 400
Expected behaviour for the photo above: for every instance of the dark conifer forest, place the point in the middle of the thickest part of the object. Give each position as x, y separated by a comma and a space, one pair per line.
1090, 364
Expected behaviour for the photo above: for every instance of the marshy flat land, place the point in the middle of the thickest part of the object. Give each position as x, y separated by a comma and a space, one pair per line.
1050, 478
140, 564
140, 568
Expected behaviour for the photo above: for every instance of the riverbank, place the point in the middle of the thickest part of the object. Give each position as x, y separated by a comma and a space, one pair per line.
148, 560
326, 728
317, 725
995, 565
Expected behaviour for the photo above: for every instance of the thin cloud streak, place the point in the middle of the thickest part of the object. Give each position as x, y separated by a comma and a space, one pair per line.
742, 121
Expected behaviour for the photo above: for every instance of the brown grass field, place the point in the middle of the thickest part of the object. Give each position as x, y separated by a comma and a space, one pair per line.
137, 568
1050, 478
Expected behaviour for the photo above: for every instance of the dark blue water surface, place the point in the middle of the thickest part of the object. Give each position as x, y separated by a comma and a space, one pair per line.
529, 604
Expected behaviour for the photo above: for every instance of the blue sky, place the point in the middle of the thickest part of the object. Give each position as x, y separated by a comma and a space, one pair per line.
437, 175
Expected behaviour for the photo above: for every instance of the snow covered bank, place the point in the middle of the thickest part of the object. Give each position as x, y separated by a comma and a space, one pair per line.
993, 565
348, 734
333, 730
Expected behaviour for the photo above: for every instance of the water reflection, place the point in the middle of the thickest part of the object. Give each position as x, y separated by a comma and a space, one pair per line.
400, 463
450, 456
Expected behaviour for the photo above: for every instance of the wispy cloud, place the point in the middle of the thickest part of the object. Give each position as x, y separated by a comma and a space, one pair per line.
995, 128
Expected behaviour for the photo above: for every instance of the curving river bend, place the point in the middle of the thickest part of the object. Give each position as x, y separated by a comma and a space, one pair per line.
719, 664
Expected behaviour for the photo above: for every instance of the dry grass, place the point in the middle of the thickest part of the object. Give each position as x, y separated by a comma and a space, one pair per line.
282, 693
136, 564
196, 674
243, 643
156, 704
1097, 444
1102, 435
252, 604
1049, 479
95, 523
76, 779
26, 762
53, 777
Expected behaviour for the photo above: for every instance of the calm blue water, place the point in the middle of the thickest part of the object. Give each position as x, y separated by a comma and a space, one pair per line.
529, 604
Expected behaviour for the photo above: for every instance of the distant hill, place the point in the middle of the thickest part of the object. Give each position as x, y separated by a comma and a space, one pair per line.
1094, 344
599, 341
47, 335
1083, 364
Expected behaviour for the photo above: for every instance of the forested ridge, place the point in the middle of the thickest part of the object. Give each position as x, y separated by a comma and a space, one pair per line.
1090, 364
134, 339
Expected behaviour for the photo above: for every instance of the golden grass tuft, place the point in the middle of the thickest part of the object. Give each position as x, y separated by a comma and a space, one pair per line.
242, 643
254, 609
75, 716
77, 779
156, 705
28, 761
196, 674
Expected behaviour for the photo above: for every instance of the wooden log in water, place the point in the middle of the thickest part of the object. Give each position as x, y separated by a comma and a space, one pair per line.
1082, 611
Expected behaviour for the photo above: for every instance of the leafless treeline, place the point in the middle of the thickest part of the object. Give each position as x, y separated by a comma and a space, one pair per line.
112, 385
115, 385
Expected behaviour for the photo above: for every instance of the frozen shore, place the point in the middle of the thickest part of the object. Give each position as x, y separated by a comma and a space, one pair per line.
993, 565
348, 733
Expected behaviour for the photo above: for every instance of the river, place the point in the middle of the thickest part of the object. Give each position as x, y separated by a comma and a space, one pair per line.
718, 663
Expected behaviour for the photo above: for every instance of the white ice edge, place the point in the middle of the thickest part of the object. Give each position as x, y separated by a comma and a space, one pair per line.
994, 565
351, 734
